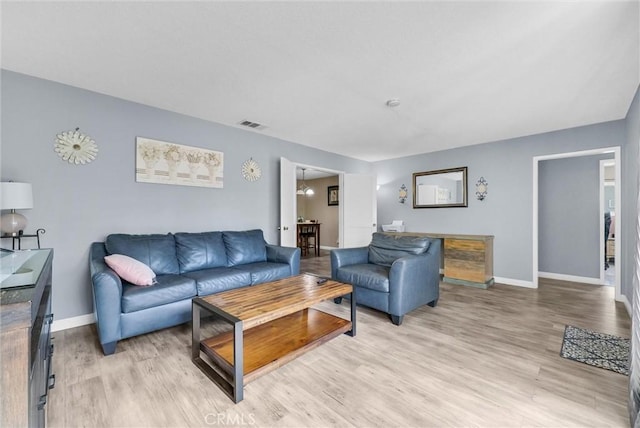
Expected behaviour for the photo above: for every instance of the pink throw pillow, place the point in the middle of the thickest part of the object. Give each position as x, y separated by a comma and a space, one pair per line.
131, 270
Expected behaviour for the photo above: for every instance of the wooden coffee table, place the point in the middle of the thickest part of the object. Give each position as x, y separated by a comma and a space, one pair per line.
273, 323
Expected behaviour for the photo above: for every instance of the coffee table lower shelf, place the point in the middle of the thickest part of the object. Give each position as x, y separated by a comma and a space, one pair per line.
265, 347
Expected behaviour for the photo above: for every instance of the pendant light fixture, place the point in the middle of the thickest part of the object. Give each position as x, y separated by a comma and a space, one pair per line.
304, 189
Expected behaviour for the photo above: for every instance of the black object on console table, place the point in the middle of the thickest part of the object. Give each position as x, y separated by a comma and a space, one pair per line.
25, 340
18, 238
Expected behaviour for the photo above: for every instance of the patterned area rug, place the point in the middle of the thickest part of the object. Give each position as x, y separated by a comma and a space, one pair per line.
596, 349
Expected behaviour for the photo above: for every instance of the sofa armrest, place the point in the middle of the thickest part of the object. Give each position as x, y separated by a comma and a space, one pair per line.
288, 255
415, 280
107, 295
348, 256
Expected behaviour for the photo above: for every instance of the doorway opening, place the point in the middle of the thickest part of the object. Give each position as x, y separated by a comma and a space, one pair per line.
317, 216
616, 227
608, 214
357, 205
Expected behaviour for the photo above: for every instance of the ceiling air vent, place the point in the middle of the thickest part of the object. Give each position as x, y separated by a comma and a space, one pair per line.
252, 125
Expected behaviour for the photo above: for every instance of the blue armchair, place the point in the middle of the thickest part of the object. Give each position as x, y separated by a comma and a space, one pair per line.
394, 274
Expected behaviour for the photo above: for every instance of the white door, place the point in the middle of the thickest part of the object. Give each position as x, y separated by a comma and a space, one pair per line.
358, 210
287, 203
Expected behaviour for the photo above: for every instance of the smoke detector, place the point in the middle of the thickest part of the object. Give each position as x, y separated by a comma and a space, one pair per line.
393, 102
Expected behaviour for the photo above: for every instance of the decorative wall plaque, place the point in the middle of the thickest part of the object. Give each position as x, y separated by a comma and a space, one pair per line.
75, 147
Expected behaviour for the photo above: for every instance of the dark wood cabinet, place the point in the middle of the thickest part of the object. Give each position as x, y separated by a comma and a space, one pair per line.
25, 336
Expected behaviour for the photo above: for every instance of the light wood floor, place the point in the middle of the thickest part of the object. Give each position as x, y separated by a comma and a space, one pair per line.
481, 358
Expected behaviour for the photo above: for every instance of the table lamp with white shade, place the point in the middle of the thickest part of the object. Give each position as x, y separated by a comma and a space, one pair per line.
14, 196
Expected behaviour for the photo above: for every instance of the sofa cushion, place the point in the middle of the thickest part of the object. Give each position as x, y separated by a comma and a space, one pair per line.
197, 251
130, 269
215, 280
245, 247
265, 271
168, 289
156, 251
385, 249
373, 277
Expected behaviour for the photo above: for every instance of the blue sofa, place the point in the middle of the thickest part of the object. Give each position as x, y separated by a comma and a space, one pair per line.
186, 265
394, 274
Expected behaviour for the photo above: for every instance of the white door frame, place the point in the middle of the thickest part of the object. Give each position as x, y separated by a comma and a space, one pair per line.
340, 175
619, 238
287, 203
603, 164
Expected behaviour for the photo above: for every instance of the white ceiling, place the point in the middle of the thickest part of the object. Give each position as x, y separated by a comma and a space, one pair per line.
312, 174
319, 73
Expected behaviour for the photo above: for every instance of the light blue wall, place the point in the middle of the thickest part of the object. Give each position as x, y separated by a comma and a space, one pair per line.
569, 216
506, 213
630, 160
81, 204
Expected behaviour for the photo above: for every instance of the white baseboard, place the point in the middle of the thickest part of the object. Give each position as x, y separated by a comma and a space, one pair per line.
515, 282
323, 247
622, 298
68, 323
507, 281
572, 278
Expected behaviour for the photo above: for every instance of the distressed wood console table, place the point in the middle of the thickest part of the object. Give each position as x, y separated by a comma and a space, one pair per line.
468, 259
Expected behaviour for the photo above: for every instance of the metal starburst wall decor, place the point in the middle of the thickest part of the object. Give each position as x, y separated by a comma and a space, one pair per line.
75, 147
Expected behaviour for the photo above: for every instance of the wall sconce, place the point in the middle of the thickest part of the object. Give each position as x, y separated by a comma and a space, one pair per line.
15, 196
481, 189
402, 194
